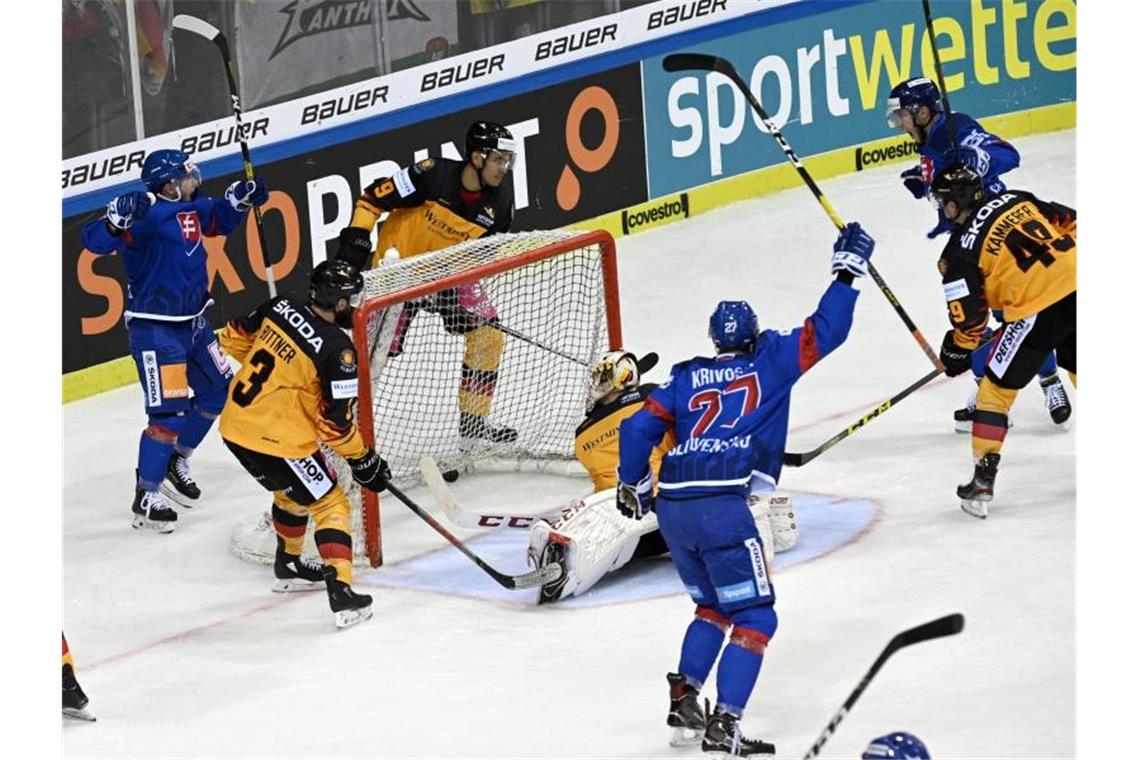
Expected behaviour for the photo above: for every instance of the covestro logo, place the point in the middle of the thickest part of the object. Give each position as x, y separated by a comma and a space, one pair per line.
867, 157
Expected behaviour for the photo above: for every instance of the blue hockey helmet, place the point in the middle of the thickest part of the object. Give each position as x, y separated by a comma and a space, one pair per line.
733, 327
911, 95
163, 166
897, 744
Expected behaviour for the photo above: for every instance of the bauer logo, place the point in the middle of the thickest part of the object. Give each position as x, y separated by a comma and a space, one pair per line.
577, 41
657, 213
359, 101
462, 72
685, 12
867, 157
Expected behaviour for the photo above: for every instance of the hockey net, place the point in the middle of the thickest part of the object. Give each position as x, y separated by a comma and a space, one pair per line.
555, 305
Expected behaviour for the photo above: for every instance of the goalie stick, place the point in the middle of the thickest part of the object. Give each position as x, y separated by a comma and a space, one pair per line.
539, 577
464, 519
197, 26
943, 626
703, 62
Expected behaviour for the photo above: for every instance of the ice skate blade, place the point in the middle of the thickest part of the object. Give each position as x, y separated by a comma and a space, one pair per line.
349, 618
78, 714
976, 508
179, 498
964, 426
679, 736
287, 585
152, 525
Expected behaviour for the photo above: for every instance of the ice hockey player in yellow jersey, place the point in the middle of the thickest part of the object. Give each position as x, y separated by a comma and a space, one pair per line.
1015, 253
297, 389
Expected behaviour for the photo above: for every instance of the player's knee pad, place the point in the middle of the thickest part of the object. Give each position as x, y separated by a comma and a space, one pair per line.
164, 428
209, 403
753, 627
993, 398
290, 521
714, 616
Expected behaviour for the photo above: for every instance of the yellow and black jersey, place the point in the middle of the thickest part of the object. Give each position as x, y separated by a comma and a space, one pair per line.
297, 384
429, 209
1016, 254
596, 439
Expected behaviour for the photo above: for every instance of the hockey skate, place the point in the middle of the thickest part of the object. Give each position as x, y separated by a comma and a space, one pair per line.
553, 553
74, 700
686, 719
473, 429
348, 606
723, 738
295, 573
179, 485
152, 512
979, 492
1056, 401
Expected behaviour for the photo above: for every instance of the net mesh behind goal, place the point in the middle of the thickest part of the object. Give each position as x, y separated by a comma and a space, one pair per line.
478, 353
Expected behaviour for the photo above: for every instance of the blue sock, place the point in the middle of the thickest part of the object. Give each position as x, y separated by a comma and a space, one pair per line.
153, 458
193, 432
735, 677
699, 650
1049, 366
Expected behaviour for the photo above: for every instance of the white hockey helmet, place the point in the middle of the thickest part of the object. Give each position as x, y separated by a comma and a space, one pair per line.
615, 370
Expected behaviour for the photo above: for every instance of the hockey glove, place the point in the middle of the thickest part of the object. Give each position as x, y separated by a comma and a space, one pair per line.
371, 471
852, 250
355, 247
955, 358
914, 182
975, 158
125, 209
245, 193
636, 501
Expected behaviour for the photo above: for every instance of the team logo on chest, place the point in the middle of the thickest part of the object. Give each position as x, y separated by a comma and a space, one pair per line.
191, 228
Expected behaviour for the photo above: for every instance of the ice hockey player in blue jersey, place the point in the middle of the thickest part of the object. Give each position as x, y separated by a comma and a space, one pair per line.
159, 235
915, 107
729, 416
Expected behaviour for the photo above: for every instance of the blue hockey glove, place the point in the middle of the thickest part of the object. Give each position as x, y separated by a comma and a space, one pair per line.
914, 182
852, 250
636, 501
245, 193
944, 226
125, 209
975, 158
955, 358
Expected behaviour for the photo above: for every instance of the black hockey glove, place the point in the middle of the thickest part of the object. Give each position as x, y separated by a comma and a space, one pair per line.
636, 501
955, 358
371, 471
355, 247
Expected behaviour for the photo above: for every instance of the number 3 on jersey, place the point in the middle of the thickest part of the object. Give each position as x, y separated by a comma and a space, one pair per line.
712, 403
263, 363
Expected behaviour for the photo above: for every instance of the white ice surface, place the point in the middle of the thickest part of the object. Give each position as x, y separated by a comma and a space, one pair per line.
184, 652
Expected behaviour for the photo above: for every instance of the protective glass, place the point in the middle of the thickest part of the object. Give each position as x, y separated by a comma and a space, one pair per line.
503, 158
191, 170
893, 108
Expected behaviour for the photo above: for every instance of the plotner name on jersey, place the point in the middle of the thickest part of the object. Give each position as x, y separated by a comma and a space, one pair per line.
300, 323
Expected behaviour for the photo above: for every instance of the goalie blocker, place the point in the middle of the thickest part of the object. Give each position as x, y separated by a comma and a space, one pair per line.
591, 538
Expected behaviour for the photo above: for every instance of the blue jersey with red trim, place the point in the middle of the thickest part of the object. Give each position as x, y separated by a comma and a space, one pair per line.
995, 155
729, 413
164, 255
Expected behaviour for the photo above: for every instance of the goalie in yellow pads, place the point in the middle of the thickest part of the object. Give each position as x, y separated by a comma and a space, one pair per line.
591, 538
296, 389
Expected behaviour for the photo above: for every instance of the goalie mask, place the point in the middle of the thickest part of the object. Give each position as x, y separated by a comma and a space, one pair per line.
615, 371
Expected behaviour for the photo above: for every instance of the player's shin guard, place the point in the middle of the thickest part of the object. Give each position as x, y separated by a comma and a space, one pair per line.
991, 419
333, 534
289, 522
155, 446
703, 640
740, 663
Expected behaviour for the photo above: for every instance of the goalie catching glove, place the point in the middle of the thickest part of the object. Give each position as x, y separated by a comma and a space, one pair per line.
371, 471
636, 501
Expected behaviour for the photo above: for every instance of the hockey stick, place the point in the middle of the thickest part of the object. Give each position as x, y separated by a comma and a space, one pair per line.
464, 519
700, 61
198, 26
938, 68
792, 459
532, 579
943, 626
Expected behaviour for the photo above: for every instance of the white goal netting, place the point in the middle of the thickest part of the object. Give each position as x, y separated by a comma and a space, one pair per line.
476, 355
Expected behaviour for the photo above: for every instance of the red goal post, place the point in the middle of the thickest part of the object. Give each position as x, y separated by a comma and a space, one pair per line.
555, 294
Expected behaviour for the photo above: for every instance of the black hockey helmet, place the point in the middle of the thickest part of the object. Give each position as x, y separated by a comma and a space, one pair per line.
485, 136
960, 184
332, 280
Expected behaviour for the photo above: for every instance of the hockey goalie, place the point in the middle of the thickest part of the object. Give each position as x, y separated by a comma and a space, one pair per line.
590, 537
